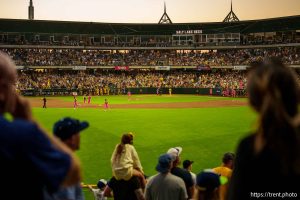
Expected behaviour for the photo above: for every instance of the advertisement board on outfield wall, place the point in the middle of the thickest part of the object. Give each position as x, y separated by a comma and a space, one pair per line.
79, 68
241, 67
203, 68
121, 67
162, 67
19, 67
152, 90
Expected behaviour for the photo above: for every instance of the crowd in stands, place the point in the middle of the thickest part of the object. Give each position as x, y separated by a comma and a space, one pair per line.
266, 162
73, 57
259, 40
110, 80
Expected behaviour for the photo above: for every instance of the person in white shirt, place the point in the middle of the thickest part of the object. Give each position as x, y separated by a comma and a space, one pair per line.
99, 191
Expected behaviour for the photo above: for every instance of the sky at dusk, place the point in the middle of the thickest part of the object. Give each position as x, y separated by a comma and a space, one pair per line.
147, 11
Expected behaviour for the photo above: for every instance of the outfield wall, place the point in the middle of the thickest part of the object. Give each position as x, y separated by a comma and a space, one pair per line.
66, 92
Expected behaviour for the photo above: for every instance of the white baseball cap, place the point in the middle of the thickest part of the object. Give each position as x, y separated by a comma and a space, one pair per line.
101, 183
176, 151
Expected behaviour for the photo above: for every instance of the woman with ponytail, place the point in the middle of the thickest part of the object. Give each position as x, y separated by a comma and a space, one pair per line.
269, 159
125, 161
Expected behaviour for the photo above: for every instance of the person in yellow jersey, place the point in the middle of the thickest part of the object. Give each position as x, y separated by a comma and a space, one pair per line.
225, 170
170, 91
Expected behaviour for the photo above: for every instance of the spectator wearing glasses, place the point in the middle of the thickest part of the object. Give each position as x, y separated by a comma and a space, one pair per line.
45, 161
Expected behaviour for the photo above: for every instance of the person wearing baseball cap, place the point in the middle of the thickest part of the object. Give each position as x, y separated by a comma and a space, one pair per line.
176, 151
187, 165
164, 185
181, 173
101, 184
67, 130
99, 191
207, 185
165, 163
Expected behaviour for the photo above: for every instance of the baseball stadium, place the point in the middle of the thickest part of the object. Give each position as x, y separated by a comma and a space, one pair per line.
166, 84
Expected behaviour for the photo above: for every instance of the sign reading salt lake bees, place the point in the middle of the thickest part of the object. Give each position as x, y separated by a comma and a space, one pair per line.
181, 32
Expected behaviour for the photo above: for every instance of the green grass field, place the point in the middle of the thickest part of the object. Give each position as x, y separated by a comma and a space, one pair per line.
138, 99
204, 133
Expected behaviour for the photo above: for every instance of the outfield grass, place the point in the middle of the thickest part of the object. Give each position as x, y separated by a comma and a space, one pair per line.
204, 133
141, 99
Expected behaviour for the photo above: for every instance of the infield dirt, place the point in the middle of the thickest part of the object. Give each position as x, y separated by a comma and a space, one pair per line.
58, 103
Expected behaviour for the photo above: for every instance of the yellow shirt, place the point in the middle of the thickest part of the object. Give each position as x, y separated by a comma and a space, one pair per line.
227, 172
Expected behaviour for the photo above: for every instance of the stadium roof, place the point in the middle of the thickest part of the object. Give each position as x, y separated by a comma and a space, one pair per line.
69, 27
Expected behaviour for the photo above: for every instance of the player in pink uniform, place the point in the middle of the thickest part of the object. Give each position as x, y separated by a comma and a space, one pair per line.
89, 99
75, 102
233, 92
129, 95
105, 105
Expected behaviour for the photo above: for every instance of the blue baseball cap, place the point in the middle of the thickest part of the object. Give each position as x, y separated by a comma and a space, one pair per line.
67, 127
207, 180
164, 162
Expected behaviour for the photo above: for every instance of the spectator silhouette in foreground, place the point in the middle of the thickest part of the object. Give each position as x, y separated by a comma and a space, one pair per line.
225, 170
269, 159
165, 186
208, 184
68, 131
121, 189
27, 153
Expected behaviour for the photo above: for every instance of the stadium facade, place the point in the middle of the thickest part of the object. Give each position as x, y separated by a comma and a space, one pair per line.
283, 31
55, 45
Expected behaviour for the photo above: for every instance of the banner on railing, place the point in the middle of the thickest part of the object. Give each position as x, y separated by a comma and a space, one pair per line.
241, 67
79, 67
162, 67
121, 67
203, 68
19, 67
